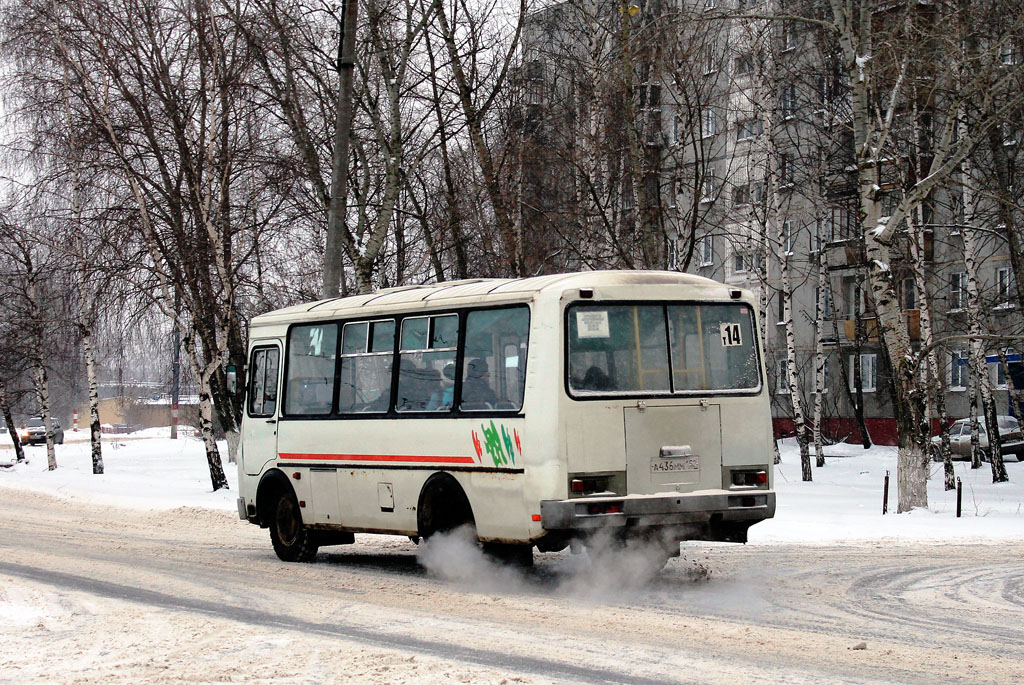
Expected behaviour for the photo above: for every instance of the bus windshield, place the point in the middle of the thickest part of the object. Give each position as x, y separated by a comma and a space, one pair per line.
661, 349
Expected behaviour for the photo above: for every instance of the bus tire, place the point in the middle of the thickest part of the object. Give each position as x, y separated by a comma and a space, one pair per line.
291, 540
443, 506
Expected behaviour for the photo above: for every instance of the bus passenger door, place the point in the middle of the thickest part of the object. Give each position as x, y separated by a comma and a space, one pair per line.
259, 425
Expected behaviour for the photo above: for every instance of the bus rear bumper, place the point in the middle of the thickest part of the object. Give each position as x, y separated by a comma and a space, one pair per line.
706, 515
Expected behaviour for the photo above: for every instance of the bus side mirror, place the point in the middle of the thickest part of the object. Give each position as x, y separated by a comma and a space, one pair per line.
232, 380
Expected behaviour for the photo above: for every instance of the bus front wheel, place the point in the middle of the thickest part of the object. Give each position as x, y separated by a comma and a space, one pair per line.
291, 540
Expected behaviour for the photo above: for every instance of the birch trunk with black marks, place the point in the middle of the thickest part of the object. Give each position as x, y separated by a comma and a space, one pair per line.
94, 401
42, 388
1007, 210
854, 23
12, 430
973, 380
41, 380
87, 318
974, 319
917, 258
819, 357
1015, 404
764, 249
203, 373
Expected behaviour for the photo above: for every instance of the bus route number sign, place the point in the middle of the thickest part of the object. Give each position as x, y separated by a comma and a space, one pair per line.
731, 335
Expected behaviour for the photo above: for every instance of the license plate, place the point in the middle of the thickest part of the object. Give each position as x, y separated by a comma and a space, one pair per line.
677, 465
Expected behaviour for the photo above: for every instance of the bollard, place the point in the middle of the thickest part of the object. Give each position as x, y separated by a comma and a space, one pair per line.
74, 420
959, 495
885, 494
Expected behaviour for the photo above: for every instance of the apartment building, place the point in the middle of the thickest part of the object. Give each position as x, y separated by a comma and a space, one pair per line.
737, 129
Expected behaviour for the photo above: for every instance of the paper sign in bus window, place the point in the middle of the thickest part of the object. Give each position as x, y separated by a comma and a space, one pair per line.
731, 335
592, 324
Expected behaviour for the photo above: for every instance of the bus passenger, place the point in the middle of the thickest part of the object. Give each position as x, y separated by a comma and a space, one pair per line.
476, 389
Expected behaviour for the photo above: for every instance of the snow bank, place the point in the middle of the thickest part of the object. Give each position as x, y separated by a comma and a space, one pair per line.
141, 471
844, 501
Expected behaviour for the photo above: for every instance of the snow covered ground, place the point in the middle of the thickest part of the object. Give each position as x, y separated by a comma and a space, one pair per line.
147, 470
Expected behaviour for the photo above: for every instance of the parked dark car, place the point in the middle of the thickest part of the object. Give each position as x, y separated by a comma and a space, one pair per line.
1011, 440
34, 431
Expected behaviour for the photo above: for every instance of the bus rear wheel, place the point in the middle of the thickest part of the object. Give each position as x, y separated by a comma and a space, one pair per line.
291, 540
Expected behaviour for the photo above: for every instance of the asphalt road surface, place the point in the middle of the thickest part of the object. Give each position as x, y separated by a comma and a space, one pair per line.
98, 594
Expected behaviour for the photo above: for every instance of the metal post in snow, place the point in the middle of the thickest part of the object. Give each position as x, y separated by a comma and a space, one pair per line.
885, 494
74, 420
959, 496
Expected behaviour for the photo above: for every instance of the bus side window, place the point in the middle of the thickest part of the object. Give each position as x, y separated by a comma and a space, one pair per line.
366, 360
428, 349
493, 376
311, 354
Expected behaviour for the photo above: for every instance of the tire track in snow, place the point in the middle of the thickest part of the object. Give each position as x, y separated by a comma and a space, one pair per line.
480, 657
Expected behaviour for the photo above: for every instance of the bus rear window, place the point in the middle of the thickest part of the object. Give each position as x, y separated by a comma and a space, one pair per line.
660, 349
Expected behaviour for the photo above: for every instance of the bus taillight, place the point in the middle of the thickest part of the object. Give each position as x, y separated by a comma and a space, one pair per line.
748, 478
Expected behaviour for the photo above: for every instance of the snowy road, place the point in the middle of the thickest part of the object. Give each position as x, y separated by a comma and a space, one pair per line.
93, 594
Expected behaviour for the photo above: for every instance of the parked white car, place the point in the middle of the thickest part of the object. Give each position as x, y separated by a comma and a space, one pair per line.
1011, 439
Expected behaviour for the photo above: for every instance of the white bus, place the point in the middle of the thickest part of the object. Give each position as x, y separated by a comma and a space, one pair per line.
542, 412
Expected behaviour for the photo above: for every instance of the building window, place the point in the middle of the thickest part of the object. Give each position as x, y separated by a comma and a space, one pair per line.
788, 101
821, 90
842, 225
824, 376
1008, 54
739, 262
868, 371
710, 60
756, 192
957, 291
856, 298
908, 291
708, 123
1010, 136
706, 250
786, 170
787, 237
747, 129
1004, 287
709, 185
710, 4
673, 252
788, 36
744, 64
741, 195
957, 370
826, 307
780, 315
998, 374
782, 380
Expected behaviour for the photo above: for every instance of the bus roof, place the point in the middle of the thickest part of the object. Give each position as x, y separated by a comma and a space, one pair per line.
456, 292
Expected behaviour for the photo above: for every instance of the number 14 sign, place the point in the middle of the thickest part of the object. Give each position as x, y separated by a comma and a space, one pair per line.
731, 336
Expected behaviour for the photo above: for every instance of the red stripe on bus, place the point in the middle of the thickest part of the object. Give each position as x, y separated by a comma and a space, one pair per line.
379, 457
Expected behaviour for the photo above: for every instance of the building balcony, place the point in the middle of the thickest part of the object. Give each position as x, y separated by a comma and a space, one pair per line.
912, 317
